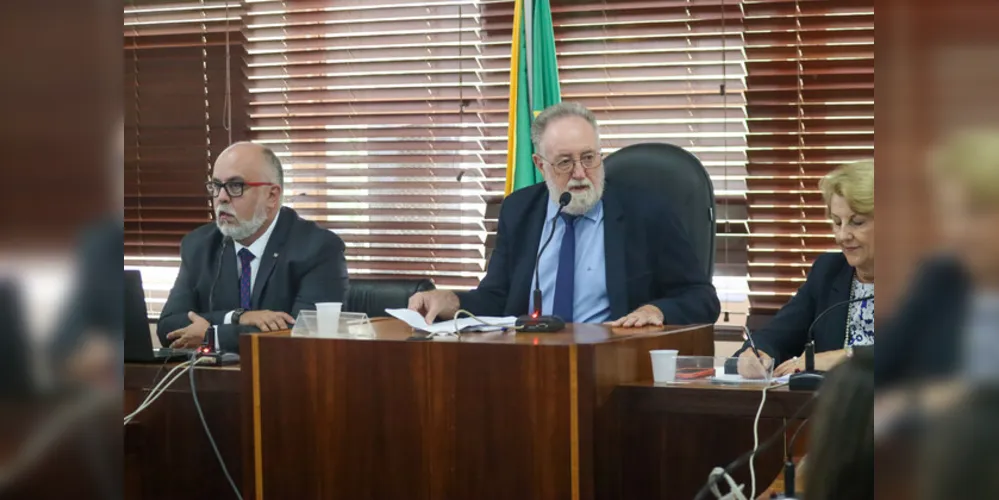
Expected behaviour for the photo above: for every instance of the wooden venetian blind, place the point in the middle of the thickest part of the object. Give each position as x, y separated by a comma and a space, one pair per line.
811, 107
177, 121
376, 109
391, 116
175, 83
666, 71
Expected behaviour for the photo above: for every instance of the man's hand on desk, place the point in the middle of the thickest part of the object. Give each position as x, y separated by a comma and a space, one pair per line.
267, 321
647, 315
435, 304
190, 336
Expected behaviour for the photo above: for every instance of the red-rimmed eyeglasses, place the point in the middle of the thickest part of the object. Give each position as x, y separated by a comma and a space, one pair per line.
234, 188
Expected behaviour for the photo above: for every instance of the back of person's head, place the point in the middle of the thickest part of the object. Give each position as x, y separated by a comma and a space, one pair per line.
841, 450
970, 159
960, 456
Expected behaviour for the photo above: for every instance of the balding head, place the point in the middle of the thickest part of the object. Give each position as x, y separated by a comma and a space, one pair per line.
257, 169
251, 153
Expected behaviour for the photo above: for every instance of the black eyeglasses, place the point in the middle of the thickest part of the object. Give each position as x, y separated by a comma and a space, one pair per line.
566, 164
234, 188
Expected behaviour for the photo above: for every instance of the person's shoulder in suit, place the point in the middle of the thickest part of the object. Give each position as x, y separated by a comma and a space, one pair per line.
304, 230
939, 289
199, 243
828, 266
934, 302
101, 239
941, 273
518, 203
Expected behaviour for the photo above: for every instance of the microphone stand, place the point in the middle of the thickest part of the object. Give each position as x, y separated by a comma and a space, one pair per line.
208, 344
536, 322
811, 379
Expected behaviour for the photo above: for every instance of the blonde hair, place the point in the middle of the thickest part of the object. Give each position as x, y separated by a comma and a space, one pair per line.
971, 158
854, 182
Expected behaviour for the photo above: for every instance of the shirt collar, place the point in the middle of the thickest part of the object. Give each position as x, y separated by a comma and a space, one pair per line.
257, 248
595, 214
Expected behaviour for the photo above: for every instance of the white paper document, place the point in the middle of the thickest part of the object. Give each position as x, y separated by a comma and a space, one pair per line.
416, 320
734, 378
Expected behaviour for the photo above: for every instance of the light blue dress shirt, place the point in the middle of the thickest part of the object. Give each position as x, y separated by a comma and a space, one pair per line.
590, 303
981, 341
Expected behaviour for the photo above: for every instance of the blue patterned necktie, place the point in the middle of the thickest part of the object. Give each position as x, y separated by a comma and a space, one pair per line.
245, 291
565, 278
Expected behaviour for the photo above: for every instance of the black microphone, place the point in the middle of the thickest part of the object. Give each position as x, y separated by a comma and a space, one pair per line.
810, 379
209, 341
535, 322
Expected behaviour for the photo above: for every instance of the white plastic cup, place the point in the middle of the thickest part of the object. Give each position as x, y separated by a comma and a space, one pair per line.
328, 317
664, 365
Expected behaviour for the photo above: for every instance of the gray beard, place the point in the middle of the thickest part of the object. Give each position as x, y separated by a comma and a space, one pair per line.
579, 205
242, 230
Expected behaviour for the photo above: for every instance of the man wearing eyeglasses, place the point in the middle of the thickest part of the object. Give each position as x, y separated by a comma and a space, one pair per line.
616, 256
257, 266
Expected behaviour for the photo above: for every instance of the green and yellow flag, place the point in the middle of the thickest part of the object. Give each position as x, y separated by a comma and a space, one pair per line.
533, 86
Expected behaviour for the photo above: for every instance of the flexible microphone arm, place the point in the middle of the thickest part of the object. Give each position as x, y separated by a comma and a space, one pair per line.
535, 322
810, 346
211, 294
810, 379
218, 273
563, 201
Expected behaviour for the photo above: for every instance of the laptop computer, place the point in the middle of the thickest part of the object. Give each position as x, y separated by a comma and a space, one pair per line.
138, 341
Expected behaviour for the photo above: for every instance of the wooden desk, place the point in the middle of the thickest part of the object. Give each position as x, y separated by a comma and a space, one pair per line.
167, 455
668, 438
491, 416
66, 445
388, 418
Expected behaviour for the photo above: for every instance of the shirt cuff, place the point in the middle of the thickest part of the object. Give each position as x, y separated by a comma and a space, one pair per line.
228, 318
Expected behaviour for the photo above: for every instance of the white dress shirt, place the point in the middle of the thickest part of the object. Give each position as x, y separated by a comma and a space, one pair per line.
257, 248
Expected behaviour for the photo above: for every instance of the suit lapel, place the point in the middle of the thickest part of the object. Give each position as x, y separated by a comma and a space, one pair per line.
523, 279
272, 253
835, 321
614, 254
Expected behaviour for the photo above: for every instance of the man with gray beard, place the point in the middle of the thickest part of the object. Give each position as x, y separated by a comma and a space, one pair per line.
264, 280
616, 256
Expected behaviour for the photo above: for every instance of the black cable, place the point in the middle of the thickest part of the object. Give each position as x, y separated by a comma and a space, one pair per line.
739, 462
211, 440
218, 273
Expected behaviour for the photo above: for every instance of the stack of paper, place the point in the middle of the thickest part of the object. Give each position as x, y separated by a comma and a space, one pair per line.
416, 320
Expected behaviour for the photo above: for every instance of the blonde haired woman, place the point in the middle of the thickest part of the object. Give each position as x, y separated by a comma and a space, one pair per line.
835, 277
949, 323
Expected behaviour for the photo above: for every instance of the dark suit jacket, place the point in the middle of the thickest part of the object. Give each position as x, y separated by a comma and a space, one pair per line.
302, 265
923, 338
96, 304
648, 257
828, 283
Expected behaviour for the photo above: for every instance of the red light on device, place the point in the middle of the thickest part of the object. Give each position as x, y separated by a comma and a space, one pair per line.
534, 315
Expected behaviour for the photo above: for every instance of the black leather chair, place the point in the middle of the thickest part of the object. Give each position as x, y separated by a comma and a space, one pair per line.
677, 175
373, 296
